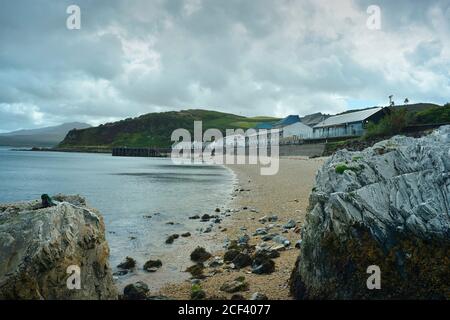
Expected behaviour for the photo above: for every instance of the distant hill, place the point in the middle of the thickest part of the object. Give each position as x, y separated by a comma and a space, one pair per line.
42, 137
155, 129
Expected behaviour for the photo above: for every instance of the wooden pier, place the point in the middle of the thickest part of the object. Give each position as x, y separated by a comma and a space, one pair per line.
141, 152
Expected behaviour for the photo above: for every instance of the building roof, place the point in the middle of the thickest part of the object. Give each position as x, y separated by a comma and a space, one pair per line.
287, 121
313, 119
298, 124
348, 117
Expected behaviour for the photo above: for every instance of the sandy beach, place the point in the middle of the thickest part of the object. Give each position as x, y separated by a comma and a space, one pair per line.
285, 195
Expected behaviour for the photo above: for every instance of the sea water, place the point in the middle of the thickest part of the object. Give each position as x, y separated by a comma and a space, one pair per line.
139, 198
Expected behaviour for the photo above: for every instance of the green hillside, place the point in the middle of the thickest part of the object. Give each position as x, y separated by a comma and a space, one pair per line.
433, 115
155, 129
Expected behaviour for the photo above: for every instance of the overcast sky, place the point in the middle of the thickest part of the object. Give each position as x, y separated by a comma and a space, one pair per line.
248, 57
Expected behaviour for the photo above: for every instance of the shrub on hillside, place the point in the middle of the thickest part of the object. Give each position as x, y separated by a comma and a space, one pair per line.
434, 115
391, 124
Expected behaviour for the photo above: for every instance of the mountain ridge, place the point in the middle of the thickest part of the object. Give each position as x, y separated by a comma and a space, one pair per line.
40, 137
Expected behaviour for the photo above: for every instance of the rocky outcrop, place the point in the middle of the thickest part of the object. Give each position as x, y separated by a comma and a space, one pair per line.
387, 206
38, 245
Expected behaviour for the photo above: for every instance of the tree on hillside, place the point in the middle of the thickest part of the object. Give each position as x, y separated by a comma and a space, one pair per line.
406, 100
391, 102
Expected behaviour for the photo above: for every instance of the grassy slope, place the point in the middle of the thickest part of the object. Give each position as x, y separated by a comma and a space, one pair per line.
155, 129
416, 107
433, 115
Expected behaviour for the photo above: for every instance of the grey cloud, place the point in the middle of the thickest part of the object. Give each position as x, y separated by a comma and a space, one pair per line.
424, 52
262, 57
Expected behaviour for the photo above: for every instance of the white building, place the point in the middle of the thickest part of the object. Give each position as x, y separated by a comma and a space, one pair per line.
297, 130
350, 124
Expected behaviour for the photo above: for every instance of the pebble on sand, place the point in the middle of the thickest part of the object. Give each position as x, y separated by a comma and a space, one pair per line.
152, 265
128, 263
200, 255
237, 285
171, 238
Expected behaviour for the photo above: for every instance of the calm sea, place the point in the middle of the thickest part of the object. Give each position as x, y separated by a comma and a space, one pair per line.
125, 190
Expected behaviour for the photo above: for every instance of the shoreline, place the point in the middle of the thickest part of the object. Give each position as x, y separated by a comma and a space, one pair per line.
53, 149
175, 258
286, 195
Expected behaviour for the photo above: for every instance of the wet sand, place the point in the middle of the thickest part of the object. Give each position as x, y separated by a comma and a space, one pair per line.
285, 195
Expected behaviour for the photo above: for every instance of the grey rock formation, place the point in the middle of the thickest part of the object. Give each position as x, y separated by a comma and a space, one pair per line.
37, 245
387, 206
